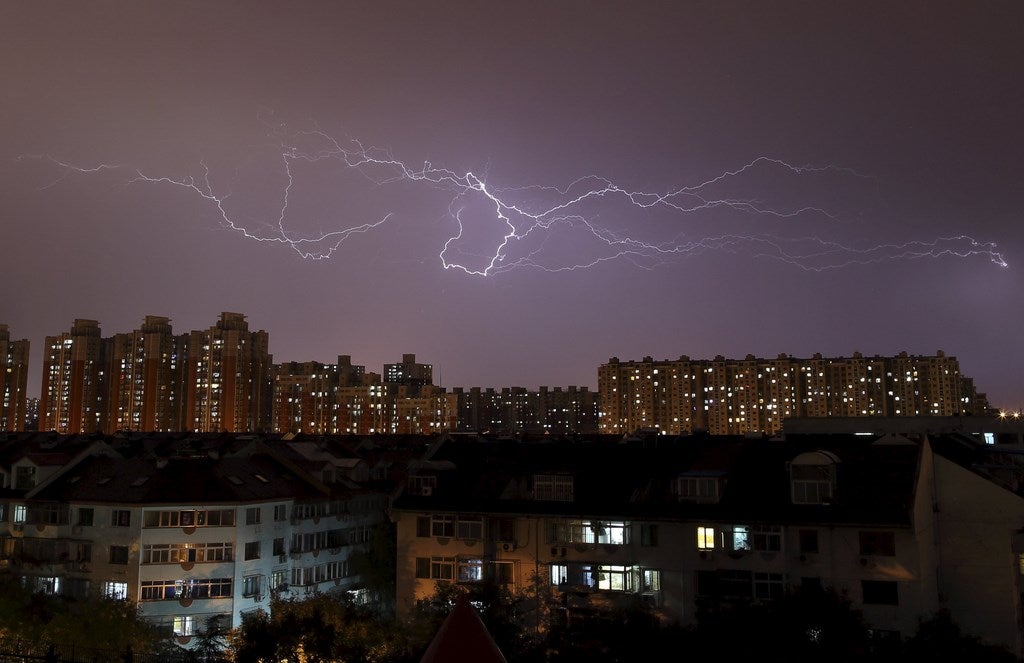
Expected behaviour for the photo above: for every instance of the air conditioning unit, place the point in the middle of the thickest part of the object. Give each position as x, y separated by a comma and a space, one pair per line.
508, 546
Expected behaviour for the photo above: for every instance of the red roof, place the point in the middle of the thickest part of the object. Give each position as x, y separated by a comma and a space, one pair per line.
463, 637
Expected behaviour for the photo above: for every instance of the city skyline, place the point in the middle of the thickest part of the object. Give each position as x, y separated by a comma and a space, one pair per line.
223, 378
387, 371
517, 194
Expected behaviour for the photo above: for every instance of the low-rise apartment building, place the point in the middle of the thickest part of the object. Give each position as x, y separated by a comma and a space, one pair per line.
194, 529
901, 525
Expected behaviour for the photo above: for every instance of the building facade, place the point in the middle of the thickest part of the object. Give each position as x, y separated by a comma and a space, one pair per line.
194, 530
692, 527
228, 380
74, 381
751, 395
146, 378
14, 356
515, 410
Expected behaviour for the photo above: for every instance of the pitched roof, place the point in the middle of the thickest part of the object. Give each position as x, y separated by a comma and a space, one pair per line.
463, 637
634, 478
147, 480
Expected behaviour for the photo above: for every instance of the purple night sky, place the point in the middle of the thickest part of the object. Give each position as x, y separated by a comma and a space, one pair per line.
518, 191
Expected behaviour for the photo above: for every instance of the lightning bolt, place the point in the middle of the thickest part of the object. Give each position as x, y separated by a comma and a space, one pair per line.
525, 224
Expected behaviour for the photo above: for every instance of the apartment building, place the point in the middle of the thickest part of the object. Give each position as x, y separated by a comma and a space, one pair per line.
228, 379
151, 380
902, 525
753, 395
514, 410
74, 380
13, 381
146, 378
189, 527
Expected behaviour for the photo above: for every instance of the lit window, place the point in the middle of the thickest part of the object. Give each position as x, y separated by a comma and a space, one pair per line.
115, 590
184, 625
705, 538
471, 570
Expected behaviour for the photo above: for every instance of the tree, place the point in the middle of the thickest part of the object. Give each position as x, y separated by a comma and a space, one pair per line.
212, 639
376, 567
939, 638
320, 628
810, 625
101, 624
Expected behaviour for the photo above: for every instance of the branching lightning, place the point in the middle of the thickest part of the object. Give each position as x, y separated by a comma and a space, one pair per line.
556, 229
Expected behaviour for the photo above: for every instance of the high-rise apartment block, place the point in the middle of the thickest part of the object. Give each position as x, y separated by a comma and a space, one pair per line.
74, 380
13, 381
222, 379
152, 380
305, 394
145, 381
409, 374
738, 396
228, 383
517, 410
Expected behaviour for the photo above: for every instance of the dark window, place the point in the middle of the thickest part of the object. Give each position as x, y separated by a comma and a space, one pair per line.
503, 529
252, 550
810, 585
121, 518
880, 592
422, 525
707, 583
85, 517
648, 535
422, 567
735, 584
279, 546
118, 554
252, 515
809, 541
878, 543
83, 552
